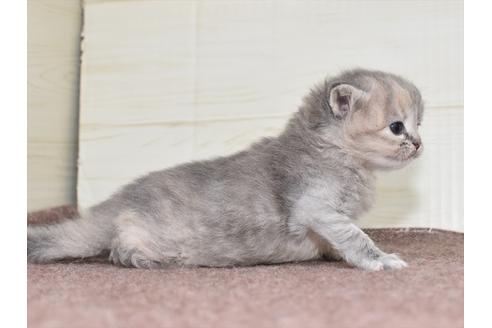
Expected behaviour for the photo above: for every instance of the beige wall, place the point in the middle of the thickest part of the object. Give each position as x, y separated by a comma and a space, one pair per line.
169, 81
53, 43
165, 82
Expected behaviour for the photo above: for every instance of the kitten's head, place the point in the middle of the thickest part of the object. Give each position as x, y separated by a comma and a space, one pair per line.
379, 115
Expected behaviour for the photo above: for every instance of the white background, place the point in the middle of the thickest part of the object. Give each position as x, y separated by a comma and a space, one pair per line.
165, 82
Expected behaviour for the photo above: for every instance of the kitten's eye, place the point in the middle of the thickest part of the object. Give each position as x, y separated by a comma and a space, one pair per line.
397, 127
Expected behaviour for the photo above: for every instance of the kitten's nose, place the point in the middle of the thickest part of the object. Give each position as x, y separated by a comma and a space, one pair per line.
416, 144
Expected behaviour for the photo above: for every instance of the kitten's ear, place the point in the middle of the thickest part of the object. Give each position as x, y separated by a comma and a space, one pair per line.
342, 99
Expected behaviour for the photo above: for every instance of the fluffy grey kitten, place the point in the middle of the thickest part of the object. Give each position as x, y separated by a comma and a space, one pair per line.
294, 197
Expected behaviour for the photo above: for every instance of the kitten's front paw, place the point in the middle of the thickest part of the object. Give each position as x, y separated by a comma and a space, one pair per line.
383, 262
392, 261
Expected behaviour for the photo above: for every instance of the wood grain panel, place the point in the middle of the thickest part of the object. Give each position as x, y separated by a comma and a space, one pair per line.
52, 99
170, 81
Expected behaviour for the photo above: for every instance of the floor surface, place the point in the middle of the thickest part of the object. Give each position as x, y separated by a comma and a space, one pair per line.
91, 294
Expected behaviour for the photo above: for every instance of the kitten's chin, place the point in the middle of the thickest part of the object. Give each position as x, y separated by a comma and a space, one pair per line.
388, 164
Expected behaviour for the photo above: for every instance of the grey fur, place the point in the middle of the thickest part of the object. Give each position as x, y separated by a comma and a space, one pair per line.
289, 198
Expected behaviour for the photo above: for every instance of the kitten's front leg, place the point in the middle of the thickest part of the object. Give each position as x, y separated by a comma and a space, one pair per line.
355, 247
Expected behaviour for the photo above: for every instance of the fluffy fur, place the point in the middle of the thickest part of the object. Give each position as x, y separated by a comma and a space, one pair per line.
289, 198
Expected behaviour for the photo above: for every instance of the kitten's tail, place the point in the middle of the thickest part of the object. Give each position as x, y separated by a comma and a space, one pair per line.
72, 238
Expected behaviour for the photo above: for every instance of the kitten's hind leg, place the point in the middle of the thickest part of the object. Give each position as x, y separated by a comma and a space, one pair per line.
134, 244
131, 257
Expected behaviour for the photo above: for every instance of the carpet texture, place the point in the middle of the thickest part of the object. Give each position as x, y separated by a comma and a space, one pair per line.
94, 294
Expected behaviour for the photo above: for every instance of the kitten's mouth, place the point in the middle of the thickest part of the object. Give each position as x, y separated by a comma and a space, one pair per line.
413, 154
407, 156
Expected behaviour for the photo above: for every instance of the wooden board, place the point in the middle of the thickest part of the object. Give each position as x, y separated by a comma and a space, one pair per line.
165, 82
53, 42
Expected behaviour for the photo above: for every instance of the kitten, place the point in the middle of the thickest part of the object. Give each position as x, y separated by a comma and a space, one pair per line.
290, 198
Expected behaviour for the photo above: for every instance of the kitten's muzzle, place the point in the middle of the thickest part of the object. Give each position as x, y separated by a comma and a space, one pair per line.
416, 142
418, 149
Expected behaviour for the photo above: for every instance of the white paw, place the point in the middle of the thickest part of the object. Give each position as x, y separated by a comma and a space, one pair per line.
392, 261
384, 262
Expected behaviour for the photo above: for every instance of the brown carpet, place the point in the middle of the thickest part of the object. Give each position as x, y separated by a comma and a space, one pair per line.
94, 294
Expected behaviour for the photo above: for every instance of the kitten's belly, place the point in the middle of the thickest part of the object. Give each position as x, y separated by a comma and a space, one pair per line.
276, 251
233, 240
294, 250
